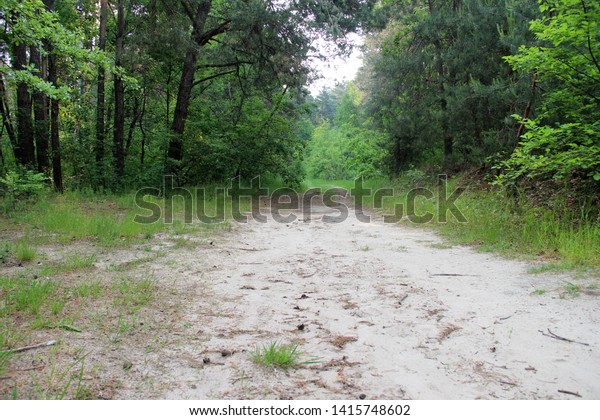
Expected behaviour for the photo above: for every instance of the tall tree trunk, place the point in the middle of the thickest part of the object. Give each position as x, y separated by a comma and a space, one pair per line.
119, 124
132, 124
445, 126
186, 84
40, 113
527, 107
54, 111
25, 151
100, 100
5, 111
141, 124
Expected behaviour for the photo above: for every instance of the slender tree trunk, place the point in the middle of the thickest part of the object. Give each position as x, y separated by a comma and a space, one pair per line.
54, 111
132, 124
100, 100
527, 108
445, 126
54, 130
5, 111
40, 113
119, 124
186, 85
25, 151
143, 131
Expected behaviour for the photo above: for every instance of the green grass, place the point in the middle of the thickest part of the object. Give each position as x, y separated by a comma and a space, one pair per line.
560, 266
8, 337
185, 243
572, 289
89, 289
129, 265
73, 218
441, 246
133, 294
24, 251
277, 355
79, 262
108, 219
69, 264
23, 295
496, 223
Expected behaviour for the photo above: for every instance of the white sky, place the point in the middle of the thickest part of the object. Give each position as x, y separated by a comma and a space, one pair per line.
336, 69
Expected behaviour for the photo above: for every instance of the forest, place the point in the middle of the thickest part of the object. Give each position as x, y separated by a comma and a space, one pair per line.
112, 95
102, 98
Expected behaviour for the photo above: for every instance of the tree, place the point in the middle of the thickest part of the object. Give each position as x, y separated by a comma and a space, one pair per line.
40, 111
563, 141
36, 24
25, 151
435, 79
119, 94
274, 37
351, 146
100, 98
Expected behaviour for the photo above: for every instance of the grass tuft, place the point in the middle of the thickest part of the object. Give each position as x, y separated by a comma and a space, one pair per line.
134, 294
277, 355
572, 289
23, 295
24, 251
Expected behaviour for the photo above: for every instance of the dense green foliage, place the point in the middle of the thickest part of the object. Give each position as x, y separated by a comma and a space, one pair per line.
118, 93
563, 141
345, 144
436, 81
206, 90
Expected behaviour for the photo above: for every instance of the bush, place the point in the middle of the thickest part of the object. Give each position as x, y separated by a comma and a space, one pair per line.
20, 185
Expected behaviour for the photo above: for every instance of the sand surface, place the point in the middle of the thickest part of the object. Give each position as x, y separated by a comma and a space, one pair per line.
381, 311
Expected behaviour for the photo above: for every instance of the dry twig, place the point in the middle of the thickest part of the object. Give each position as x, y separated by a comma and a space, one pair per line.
558, 337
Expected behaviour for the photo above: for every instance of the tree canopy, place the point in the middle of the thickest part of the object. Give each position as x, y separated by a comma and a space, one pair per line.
112, 94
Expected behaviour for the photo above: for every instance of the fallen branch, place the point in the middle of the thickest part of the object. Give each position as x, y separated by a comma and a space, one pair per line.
558, 337
37, 346
508, 383
305, 276
569, 392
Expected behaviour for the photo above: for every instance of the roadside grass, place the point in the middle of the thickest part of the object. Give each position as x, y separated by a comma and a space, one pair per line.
129, 265
571, 289
133, 294
24, 251
63, 382
560, 239
27, 305
70, 263
19, 295
115, 220
8, 336
560, 266
92, 289
277, 355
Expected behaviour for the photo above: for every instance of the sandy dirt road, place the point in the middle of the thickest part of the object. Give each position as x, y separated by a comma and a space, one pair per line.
388, 312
